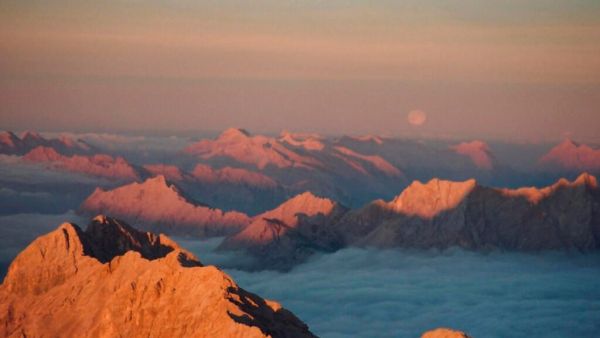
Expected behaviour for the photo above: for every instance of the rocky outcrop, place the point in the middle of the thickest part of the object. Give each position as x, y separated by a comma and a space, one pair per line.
288, 234
442, 214
444, 333
100, 165
112, 280
161, 206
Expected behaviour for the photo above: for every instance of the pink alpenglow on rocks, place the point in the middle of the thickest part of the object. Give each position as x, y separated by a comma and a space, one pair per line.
106, 166
289, 234
573, 156
310, 142
170, 172
260, 151
478, 151
275, 223
161, 206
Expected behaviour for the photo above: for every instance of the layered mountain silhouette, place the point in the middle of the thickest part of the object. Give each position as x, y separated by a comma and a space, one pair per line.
303, 162
226, 188
112, 280
161, 206
208, 175
12, 144
99, 165
258, 150
437, 214
313, 142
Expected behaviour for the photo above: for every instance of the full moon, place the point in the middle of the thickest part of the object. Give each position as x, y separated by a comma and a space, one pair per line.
417, 118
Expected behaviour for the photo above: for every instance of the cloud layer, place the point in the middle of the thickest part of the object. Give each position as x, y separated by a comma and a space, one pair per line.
370, 293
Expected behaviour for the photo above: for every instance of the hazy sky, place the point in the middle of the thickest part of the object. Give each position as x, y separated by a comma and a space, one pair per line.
508, 69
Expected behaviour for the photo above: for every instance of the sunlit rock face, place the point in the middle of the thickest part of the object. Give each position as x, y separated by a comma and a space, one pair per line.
478, 152
106, 166
161, 206
288, 234
14, 145
441, 214
572, 156
444, 333
112, 280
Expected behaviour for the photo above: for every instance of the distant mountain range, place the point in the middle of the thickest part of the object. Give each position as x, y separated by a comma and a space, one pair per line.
254, 173
12, 144
436, 215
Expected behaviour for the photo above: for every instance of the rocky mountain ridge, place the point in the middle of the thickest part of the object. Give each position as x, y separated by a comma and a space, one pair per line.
112, 280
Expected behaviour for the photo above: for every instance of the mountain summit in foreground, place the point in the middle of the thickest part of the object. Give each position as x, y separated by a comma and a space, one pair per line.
112, 280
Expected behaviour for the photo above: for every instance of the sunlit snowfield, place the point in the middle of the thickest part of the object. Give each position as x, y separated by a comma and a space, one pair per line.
392, 293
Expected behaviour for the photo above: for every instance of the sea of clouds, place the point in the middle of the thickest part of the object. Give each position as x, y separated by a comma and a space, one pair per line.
398, 293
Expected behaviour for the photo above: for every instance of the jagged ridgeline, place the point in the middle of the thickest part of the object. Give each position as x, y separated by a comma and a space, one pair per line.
112, 280
437, 214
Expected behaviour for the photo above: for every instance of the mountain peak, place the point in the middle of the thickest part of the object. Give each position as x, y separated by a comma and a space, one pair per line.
429, 199
273, 224
164, 207
568, 143
587, 180
106, 279
231, 133
573, 156
8, 138
31, 135
43, 154
308, 202
158, 181
478, 151
307, 141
